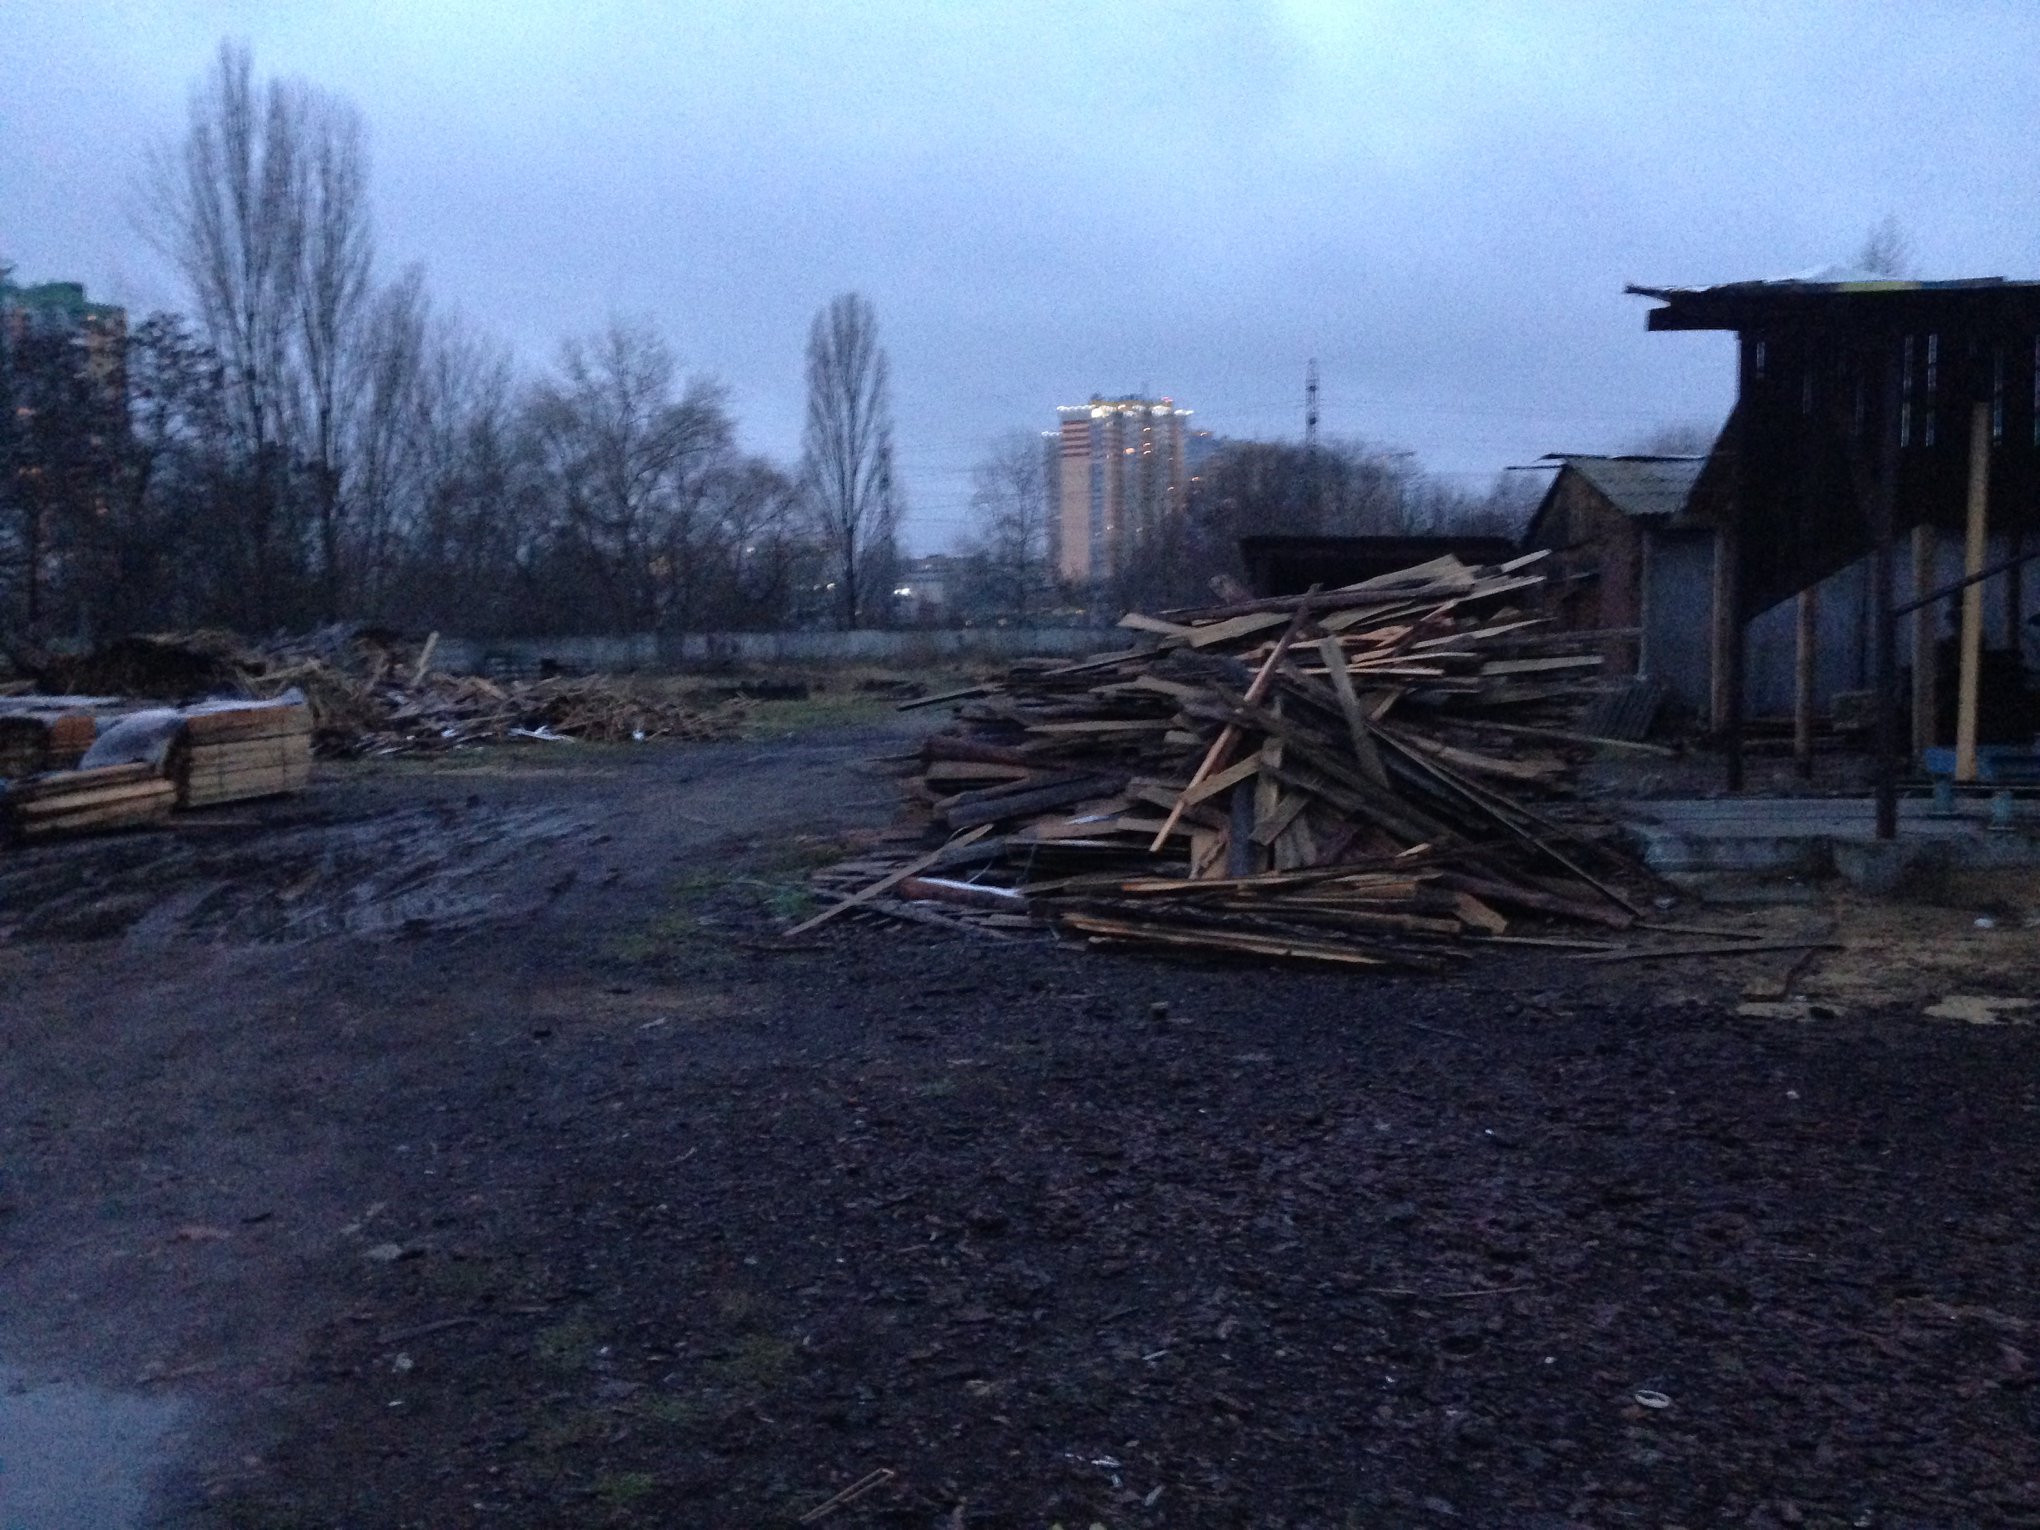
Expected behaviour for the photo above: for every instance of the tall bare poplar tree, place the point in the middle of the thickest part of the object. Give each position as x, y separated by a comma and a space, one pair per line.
224, 207
846, 448
262, 206
334, 284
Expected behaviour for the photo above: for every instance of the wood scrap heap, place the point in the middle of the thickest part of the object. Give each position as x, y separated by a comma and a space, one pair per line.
1346, 776
373, 692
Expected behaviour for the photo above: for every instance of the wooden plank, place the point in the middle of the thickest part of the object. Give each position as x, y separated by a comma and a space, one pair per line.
966, 894
1220, 940
1568, 736
994, 809
1535, 901
886, 883
1740, 948
62, 783
1479, 916
1238, 627
1540, 666
1211, 786
1103, 725
1364, 752
973, 770
947, 746
141, 797
1222, 745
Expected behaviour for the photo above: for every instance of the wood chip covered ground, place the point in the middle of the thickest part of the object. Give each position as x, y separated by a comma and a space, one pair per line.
1371, 775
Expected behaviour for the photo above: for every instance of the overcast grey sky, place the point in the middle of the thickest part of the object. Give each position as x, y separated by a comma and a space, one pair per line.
1439, 201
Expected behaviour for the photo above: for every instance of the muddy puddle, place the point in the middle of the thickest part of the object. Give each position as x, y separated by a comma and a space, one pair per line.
74, 1457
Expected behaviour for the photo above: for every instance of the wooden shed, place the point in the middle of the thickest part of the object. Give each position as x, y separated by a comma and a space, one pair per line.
1868, 410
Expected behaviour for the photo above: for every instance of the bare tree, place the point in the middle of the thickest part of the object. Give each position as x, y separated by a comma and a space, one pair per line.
384, 447
1887, 249
846, 447
615, 445
224, 205
1007, 553
339, 355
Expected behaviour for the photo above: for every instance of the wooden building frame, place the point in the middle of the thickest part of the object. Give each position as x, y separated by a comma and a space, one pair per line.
1866, 409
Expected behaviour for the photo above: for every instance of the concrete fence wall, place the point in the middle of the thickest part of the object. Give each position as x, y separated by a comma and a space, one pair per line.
655, 651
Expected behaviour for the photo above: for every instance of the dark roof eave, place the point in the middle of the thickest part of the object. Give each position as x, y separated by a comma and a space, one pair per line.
1870, 304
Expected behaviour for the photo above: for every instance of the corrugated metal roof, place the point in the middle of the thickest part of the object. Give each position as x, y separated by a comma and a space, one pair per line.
1644, 486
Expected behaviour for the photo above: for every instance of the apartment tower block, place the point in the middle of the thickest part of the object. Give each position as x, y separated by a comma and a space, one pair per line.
1117, 473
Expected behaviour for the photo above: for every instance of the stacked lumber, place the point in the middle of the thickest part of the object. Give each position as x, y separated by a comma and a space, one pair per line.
233, 751
1361, 776
39, 733
72, 801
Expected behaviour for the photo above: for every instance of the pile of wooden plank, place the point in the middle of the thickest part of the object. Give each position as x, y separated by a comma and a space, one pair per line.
151, 760
1366, 775
232, 751
39, 733
73, 801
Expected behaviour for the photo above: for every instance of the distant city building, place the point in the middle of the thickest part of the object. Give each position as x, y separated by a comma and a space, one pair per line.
59, 311
63, 382
1120, 468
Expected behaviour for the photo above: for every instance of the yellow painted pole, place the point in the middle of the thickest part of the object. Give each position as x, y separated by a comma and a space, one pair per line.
1973, 549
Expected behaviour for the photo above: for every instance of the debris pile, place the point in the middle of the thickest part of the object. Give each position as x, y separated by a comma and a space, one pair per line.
1344, 776
373, 692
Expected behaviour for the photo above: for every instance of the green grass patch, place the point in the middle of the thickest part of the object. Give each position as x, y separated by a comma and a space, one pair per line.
814, 713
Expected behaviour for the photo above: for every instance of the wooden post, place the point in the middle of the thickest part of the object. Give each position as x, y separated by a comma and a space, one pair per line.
1973, 550
1926, 623
1726, 659
2015, 597
1883, 530
1803, 678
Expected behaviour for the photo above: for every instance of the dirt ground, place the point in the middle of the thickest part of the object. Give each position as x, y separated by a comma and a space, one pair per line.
459, 1144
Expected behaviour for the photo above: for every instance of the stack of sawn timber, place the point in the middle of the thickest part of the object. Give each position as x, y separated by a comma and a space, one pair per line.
201, 756
231, 751
39, 733
73, 801
1343, 776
